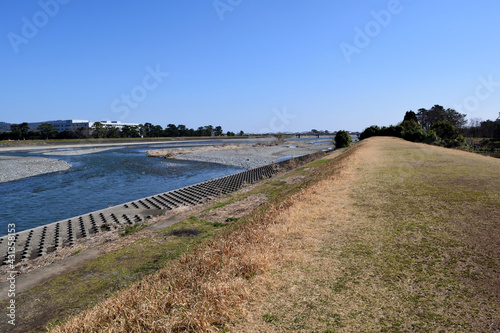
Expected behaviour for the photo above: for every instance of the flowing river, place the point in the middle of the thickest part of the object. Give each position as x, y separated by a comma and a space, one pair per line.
97, 181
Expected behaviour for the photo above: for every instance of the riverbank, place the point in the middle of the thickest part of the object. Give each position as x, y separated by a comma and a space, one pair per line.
391, 236
15, 167
91, 272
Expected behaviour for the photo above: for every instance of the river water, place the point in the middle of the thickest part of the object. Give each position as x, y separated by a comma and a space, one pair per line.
97, 181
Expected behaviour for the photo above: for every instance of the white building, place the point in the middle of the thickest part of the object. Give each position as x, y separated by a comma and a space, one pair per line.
63, 125
116, 123
73, 125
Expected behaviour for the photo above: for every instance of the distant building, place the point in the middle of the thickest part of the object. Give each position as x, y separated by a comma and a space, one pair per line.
73, 125
116, 123
63, 125
498, 119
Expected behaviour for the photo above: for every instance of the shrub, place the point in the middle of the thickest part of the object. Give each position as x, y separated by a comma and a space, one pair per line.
414, 135
448, 133
445, 130
431, 138
411, 125
373, 130
392, 131
342, 139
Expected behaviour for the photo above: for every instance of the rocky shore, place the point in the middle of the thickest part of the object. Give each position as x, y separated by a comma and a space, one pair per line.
14, 167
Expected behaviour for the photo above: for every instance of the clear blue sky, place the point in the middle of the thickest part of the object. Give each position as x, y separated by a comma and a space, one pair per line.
283, 65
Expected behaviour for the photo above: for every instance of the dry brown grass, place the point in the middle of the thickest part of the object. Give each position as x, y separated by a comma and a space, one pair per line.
235, 210
302, 229
204, 289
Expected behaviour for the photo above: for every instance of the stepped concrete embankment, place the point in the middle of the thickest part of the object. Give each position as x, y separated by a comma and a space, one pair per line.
34, 243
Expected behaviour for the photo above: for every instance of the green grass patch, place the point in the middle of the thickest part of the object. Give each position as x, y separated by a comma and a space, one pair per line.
220, 205
269, 318
318, 163
132, 229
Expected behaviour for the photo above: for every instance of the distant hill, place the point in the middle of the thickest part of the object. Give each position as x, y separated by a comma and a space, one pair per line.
4, 127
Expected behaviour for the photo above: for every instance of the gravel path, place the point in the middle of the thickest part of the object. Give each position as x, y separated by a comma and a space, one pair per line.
13, 167
250, 158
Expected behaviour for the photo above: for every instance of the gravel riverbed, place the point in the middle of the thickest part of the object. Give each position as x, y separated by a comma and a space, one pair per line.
74, 152
250, 158
14, 167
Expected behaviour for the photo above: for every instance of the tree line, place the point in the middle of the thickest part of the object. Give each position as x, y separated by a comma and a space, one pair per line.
47, 131
437, 125
482, 129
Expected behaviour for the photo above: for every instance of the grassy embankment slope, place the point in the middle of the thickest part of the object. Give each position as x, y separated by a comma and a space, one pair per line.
118, 262
392, 236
